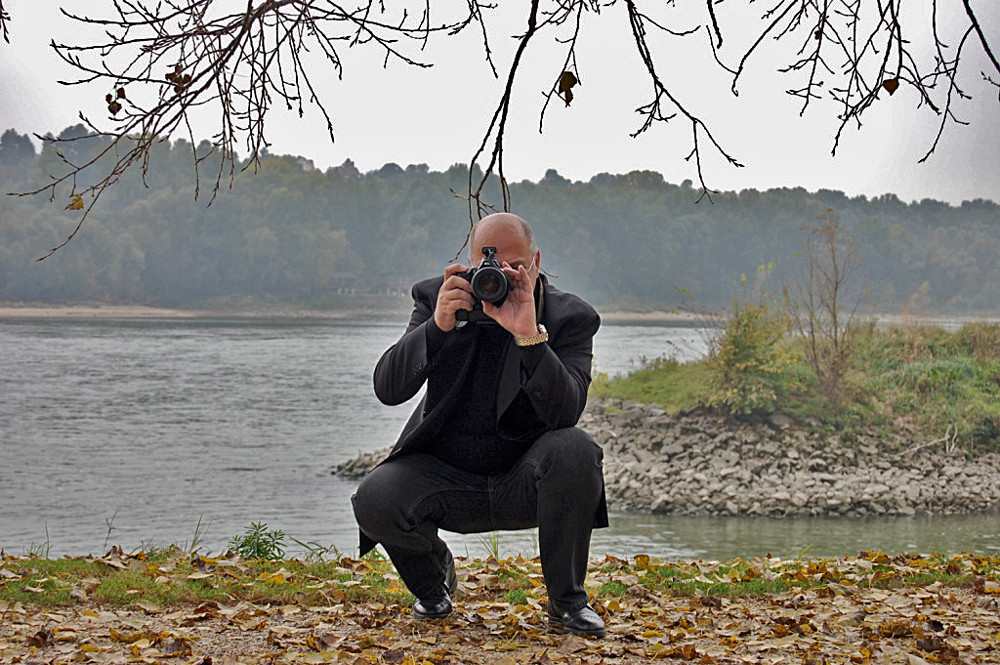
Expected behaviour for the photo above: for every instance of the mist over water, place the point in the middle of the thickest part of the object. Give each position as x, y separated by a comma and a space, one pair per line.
131, 431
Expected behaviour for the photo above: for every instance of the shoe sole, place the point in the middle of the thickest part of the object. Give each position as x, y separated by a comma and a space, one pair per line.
559, 627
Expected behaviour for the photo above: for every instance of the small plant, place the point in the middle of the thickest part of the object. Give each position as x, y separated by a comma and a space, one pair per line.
110, 523
750, 362
491, 543
314, 552
197, 539
517, 597
259, 542
41, 550
613, 588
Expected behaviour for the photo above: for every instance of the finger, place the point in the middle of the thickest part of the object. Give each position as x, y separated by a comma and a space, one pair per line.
459, 299
453, 269
457, 283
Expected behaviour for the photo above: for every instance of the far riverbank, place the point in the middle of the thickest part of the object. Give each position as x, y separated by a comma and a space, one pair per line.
388, 306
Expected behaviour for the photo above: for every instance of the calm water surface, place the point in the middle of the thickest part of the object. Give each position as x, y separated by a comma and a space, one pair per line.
131, 431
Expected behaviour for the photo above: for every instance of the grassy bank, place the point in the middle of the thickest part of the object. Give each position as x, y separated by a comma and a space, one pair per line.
918, 383
171, 578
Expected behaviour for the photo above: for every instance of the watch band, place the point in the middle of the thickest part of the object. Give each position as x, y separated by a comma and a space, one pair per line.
540, 338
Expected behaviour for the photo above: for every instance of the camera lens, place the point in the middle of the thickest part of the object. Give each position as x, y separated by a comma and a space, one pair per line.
489, 284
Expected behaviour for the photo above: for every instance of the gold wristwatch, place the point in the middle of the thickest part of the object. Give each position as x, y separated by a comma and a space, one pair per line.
540, 338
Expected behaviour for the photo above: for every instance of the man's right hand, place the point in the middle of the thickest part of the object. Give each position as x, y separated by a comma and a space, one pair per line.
455, 294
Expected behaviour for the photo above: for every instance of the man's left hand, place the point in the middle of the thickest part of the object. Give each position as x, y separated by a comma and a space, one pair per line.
517, 314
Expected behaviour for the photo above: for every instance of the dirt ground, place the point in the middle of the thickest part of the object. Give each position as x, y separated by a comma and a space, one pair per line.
837, 624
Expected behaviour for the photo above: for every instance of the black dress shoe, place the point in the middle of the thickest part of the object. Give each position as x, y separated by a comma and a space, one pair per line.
438, 607
432, 608
583, 621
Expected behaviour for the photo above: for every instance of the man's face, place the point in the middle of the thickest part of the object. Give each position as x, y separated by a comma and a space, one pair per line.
511, 245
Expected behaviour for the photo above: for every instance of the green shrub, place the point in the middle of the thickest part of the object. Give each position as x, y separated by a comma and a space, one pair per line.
751, 364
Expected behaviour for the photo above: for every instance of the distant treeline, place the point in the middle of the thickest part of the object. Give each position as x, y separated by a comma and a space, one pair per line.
297, 233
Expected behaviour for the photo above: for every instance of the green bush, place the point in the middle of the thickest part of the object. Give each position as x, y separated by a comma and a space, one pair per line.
751, 364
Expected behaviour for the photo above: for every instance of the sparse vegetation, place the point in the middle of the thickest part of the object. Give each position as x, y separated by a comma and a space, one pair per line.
169, 578
928, 384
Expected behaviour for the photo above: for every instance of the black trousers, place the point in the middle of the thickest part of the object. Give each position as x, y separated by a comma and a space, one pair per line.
556, 485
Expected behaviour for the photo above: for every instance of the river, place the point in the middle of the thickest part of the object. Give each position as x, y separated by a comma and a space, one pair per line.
134, 432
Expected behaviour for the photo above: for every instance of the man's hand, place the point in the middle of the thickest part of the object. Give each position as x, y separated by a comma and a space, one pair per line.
517, 314
455, 294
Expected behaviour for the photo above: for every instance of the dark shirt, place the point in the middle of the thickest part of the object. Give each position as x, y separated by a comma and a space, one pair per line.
468, 439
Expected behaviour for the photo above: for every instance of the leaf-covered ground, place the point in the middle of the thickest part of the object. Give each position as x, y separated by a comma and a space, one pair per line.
185, 610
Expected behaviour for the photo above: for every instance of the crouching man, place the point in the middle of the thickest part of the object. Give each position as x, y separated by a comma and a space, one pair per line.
506, 358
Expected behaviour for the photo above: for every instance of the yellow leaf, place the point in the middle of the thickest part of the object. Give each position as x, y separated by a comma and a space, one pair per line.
75, 203
274, 578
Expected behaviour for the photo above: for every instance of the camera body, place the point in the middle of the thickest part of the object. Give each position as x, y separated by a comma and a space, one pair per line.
489, 284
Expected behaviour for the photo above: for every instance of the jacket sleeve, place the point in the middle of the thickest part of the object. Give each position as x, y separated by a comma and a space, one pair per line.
554, 379
403, 368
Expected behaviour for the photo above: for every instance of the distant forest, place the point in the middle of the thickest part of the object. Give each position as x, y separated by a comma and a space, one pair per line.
294, 233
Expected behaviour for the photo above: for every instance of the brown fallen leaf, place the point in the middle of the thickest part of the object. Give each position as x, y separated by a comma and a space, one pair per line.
41, 639
176, 647
571, 644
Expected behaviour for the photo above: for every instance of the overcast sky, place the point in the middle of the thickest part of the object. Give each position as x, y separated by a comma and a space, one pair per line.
438, 116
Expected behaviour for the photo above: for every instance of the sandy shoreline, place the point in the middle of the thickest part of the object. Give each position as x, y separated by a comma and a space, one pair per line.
393, 311
94, 311
42, 311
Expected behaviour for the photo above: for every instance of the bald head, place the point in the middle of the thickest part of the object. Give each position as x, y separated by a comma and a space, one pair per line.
500, 223
510, 234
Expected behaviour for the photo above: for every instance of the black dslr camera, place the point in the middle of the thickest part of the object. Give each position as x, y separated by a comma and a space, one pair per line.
489, 284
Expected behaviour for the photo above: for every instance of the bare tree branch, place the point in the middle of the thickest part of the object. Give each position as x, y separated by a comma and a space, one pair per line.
161, 61
653, 111
166, 61
496, 130
4, 22
982, 38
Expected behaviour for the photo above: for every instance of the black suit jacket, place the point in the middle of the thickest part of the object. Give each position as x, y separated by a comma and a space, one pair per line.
546, 383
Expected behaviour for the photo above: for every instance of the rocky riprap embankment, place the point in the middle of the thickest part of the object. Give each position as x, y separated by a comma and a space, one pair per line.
700, 463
